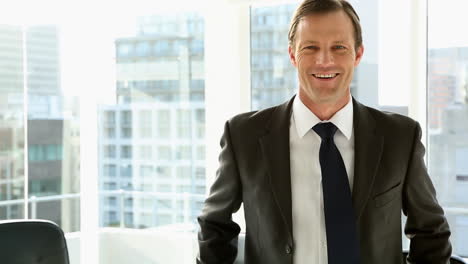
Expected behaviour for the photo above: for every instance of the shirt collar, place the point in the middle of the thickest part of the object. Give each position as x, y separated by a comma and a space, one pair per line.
305, 119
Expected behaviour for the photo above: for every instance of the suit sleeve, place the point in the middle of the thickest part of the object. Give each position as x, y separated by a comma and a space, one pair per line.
426, 225
217, 237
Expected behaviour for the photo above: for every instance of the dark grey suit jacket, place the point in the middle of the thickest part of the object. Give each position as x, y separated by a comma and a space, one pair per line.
390, 177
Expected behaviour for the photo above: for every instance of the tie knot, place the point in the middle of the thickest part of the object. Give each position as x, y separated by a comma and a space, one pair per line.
325, 130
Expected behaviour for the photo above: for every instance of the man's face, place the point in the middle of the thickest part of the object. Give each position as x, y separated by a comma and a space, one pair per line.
325, 56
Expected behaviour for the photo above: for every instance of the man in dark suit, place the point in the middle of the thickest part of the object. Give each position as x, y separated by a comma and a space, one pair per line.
323, 178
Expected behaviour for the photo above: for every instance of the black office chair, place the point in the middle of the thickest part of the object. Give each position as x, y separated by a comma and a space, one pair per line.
453, 259
32, 242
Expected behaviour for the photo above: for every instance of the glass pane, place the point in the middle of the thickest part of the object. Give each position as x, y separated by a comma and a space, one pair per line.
274, 79
63, 211
11, 122
53, 131
448, 114
150, 171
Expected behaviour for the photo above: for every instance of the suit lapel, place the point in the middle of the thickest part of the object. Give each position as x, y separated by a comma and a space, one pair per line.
275, 148
368, 151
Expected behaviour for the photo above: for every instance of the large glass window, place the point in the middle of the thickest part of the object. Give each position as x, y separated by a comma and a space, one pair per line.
30, 80
139, 77
447, 108
274, 79
129, 87
157, 119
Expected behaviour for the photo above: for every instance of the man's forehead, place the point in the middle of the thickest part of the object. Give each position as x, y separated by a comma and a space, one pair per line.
338, 16
315, 35
310, 28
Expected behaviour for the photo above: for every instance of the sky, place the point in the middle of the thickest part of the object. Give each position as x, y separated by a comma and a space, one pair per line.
87, 32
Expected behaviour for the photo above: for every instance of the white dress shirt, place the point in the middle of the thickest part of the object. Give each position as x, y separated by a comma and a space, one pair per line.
310, 241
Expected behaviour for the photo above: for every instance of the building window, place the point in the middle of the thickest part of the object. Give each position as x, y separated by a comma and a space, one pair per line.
164, 123
126, 118
109, 151
110, 170
184, 153
128, 219
146, 171
146, 152
126, 152
163, 172
145, 124
110, 186
184, 172
164, 152
126, 132
124, 50
109, 117
129, 202
126, 171
142, 49
200, 173
200, 152
111, 201
109, 132
183, 123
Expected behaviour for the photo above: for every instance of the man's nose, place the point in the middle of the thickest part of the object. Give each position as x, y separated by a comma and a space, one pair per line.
325, 58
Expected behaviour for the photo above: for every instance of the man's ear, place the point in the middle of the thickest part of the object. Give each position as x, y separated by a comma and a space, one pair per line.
359, 53
292, 56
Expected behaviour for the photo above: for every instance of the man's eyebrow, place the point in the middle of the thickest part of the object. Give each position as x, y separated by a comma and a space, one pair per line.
315, 42
310, 42
339, 42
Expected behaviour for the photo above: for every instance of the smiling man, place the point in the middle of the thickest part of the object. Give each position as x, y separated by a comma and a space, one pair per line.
323, 178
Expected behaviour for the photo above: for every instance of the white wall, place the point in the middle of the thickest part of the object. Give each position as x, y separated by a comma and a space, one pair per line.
142, 246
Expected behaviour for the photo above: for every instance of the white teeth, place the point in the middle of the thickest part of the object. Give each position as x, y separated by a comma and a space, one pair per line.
325, 75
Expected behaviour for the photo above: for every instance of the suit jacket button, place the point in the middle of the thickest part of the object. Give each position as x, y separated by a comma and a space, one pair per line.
288, 249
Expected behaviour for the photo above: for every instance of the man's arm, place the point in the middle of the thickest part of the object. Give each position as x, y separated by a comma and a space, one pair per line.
426, 225
217, 238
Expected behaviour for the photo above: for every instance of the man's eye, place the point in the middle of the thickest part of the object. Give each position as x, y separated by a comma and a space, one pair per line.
311, 47
339, 47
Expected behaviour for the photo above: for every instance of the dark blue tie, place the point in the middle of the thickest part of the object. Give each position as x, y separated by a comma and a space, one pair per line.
340, 221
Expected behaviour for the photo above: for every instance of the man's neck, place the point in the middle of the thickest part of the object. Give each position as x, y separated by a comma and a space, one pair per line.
324, 110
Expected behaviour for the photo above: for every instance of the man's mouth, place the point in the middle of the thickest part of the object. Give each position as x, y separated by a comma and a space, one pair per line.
325, 76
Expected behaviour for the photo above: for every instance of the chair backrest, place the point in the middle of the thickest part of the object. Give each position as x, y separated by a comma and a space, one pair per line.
31, 242
453, 259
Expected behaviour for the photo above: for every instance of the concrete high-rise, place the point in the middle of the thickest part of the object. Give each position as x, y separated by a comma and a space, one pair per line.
152, 141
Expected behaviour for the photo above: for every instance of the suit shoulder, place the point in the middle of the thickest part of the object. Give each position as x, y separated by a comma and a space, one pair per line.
252, 119
390, 121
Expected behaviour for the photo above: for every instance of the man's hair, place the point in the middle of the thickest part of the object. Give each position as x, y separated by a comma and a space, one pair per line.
310, 7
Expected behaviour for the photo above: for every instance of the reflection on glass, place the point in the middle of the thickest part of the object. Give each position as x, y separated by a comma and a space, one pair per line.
149, 172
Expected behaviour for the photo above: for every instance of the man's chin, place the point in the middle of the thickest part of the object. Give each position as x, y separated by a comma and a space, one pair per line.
328, 97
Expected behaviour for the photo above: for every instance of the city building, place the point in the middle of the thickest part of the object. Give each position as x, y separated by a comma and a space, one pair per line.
151, 143
53, 169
